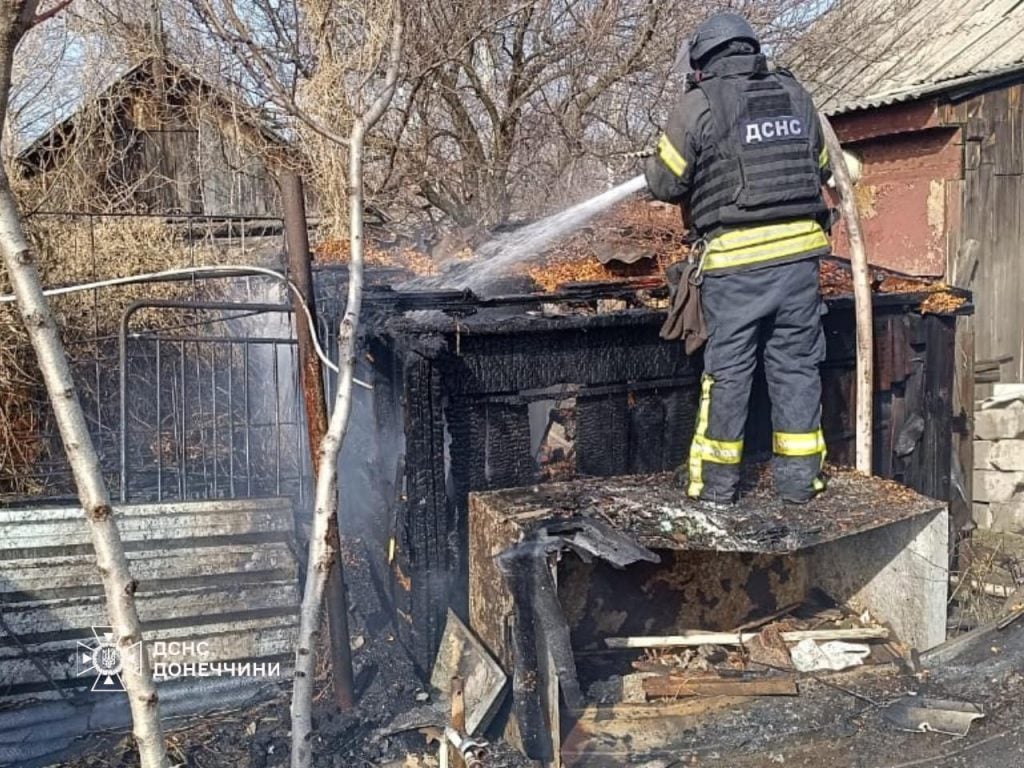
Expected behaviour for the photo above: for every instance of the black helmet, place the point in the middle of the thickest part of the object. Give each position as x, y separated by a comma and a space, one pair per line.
718, 30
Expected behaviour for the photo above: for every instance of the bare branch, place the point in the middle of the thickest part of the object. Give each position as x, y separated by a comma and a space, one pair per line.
39, 18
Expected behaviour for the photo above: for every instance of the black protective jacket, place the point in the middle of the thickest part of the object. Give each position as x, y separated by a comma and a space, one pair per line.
743, 153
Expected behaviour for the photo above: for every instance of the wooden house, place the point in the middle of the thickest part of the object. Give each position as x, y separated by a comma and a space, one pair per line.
159, 140
929, 94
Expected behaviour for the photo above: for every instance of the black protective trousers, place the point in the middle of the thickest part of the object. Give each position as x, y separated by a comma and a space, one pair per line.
775, 309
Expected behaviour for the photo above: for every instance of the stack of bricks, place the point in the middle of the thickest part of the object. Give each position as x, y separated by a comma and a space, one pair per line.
999, 466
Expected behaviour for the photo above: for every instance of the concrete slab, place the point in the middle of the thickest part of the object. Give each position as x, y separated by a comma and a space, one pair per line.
899, 573
1005, 455
1000, 423
870, 542
1007, 516
657, 513
992, 485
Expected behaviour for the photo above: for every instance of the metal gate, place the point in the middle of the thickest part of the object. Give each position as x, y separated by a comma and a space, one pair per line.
209, 402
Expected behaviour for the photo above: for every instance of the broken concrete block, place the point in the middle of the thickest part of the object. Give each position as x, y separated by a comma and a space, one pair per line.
1007, 516
1002, 423
992, 485
982, 515
1005, 455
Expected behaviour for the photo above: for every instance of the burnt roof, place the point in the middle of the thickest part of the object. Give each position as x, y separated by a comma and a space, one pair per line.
871, 53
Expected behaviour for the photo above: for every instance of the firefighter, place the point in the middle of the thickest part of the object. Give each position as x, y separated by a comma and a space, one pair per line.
744, 156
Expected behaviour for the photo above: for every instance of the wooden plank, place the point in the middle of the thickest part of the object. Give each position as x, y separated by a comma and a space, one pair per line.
62, 531
676, 687
37, 620
596, 418
961, 509
490, 601
697, 638
883, 333
983, 366
46, 578
232, 644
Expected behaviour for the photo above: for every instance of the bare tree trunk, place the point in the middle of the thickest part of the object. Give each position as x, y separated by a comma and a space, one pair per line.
321, 552
861, 299
118, 585
316, 426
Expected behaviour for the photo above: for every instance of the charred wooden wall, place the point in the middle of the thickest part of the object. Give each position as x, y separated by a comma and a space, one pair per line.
459, 393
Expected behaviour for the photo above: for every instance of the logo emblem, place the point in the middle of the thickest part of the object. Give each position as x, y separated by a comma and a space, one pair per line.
101, 657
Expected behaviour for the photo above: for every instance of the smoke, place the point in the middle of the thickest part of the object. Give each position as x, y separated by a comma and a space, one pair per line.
499, 255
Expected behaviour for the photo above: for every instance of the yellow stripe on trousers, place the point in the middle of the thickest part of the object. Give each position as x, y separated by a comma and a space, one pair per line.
799, 443
705, 448
803, 444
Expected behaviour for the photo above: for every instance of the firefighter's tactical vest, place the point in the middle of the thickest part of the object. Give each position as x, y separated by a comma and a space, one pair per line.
761, 166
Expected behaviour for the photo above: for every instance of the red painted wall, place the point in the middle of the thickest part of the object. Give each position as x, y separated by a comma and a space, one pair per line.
909, 195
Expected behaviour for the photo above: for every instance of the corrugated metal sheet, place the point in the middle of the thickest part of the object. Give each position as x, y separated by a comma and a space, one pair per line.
870, 53
220, 572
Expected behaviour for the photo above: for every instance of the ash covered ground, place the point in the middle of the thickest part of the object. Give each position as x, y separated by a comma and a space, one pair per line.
835, 721
389, 694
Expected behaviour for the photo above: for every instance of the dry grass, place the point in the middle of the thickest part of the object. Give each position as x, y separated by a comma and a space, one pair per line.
337, 250
74, 250
989, 561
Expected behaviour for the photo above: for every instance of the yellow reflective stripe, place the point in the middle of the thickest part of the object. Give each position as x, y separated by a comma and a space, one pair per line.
819, 484
696, 455
799, 443
719, 451
670, 156
767, 233
823, 158
758, 253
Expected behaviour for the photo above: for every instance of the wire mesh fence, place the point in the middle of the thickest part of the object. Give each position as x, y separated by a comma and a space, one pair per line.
208, 394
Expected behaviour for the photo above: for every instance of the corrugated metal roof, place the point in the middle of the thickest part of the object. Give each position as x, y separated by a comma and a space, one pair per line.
869, 53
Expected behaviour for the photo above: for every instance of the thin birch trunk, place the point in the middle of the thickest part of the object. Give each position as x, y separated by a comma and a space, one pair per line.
118, 585
321, 553
861, 299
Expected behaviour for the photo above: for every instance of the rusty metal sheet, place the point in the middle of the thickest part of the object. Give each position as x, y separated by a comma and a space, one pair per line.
906, 208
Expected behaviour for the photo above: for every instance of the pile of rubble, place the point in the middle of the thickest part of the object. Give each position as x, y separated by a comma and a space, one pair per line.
762, 658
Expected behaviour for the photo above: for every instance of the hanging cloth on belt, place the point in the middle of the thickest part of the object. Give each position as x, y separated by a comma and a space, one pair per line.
685, 319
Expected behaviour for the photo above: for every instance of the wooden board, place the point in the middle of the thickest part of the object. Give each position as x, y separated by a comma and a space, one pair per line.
220, 573
677, 687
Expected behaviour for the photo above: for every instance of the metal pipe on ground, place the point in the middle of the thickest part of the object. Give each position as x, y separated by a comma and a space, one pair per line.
311, 372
